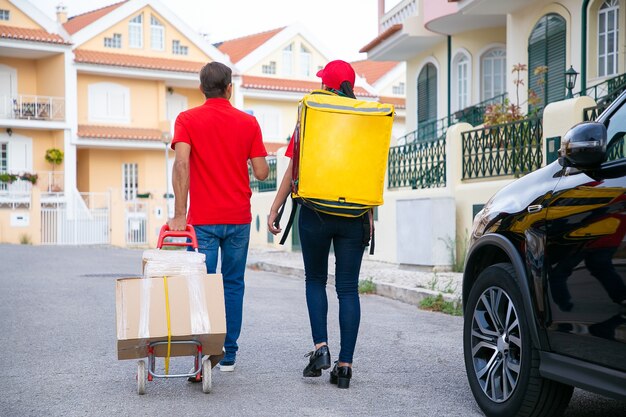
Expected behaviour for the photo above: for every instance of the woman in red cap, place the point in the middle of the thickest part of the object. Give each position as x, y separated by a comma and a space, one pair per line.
317, 232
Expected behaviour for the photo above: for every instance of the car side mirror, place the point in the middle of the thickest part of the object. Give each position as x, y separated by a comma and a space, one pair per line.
584, 146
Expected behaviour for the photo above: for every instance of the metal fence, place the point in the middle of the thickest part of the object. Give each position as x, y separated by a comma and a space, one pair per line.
136, 224
269, 184
76, 219
420, 164
507, 149
16, 194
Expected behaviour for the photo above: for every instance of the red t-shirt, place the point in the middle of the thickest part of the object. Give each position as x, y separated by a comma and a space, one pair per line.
289, 150
222, 140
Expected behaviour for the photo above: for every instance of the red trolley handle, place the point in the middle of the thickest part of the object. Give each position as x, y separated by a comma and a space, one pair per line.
188, 233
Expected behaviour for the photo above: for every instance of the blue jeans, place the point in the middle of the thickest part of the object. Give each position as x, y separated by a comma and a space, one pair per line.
232, 241
317, 231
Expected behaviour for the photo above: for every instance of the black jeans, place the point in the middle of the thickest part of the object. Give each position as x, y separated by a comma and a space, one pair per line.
317, 231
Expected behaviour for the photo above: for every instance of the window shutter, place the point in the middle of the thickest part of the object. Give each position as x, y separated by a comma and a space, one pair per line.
556, 58
546, 47
427, 94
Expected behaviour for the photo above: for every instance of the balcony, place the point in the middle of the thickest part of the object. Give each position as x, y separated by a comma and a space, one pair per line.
402, 34
29, 107
398, 14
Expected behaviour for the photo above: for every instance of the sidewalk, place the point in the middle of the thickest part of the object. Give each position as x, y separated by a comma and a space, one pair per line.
405, 283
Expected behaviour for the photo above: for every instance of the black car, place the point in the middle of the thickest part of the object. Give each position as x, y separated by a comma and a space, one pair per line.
544, 285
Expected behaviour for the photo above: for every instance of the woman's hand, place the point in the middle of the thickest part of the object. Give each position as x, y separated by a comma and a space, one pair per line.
270, 223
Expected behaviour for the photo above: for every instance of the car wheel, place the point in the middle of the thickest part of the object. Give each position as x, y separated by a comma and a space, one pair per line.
501, 362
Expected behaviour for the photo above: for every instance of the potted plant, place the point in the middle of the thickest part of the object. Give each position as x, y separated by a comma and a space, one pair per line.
55, 157
27, 176
8, 178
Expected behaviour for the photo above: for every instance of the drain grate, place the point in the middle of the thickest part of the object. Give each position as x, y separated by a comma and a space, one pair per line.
109, 275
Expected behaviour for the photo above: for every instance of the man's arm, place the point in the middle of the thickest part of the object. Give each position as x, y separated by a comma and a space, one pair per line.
180, 183
260, 168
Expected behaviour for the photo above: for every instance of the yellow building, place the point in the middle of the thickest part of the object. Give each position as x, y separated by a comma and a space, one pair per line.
104, 88
36, 114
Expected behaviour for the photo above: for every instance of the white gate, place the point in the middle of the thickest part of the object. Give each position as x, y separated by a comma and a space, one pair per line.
136, 224
76, 219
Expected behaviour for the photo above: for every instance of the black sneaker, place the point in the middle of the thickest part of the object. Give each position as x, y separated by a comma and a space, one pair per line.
318, 360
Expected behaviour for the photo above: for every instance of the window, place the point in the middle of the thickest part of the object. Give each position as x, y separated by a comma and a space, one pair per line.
287, 60
546, 51
269, 121
109, 102
398, 89
269, 68
608, 18
461, 81
135, 32
4, 162
178, 49
427, 94
157, 34
305, 61
113, 42
5, 14
130, 181
493, 77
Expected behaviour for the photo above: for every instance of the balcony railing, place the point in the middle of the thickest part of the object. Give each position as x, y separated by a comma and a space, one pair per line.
268, 184
432, 129
398, 14
16, 194
420, 164
507, 149
604, 94
32, 107
50, 181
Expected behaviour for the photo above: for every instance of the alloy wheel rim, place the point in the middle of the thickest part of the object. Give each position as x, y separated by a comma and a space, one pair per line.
496, 344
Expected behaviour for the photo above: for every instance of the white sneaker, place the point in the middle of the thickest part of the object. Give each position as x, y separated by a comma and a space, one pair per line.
227, 366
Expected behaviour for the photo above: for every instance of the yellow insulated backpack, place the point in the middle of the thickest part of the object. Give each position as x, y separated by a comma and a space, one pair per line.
340, 153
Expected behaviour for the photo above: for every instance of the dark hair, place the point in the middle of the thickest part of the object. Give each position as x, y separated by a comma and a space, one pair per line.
214, 79
346, 89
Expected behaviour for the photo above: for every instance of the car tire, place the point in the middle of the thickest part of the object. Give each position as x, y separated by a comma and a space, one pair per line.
501, 363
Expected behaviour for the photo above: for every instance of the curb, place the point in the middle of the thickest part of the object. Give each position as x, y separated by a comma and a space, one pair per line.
395, 292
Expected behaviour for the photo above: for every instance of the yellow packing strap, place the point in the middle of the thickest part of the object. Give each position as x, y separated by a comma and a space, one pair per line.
169, 328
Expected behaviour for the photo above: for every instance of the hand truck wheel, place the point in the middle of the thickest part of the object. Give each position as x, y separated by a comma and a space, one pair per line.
141, 377
206, 375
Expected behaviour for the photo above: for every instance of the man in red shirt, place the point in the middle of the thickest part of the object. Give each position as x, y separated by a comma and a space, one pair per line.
213, 144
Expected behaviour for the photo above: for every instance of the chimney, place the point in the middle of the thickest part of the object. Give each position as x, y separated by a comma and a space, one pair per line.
381, 13
61, 13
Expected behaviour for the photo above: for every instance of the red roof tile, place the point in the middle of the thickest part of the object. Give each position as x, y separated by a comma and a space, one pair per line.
37, 35
238, 48
282, 84
136, 61
114, 132
76, 23
382, 37
398, 103
372, 71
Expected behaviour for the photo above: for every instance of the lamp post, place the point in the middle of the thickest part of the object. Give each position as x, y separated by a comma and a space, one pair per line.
165, 138
570, 81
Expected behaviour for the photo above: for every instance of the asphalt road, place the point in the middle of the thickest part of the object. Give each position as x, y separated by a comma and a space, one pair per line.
58, 358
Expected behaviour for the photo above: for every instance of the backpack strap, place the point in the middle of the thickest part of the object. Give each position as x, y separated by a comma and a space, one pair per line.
292, 216
370, 215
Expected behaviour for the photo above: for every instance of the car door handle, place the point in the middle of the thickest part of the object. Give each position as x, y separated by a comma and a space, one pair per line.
535, 208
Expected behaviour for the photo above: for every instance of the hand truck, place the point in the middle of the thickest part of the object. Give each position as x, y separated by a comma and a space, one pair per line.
202, 366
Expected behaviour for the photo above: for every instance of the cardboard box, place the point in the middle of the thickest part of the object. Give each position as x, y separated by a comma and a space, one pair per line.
196, 307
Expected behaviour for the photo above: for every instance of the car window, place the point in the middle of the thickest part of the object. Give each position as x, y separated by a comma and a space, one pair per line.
616, 129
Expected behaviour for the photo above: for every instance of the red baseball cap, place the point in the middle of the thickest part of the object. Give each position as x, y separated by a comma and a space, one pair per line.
336, 72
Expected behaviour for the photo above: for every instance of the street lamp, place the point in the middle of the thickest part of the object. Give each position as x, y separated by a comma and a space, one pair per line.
165, 138
570, 81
